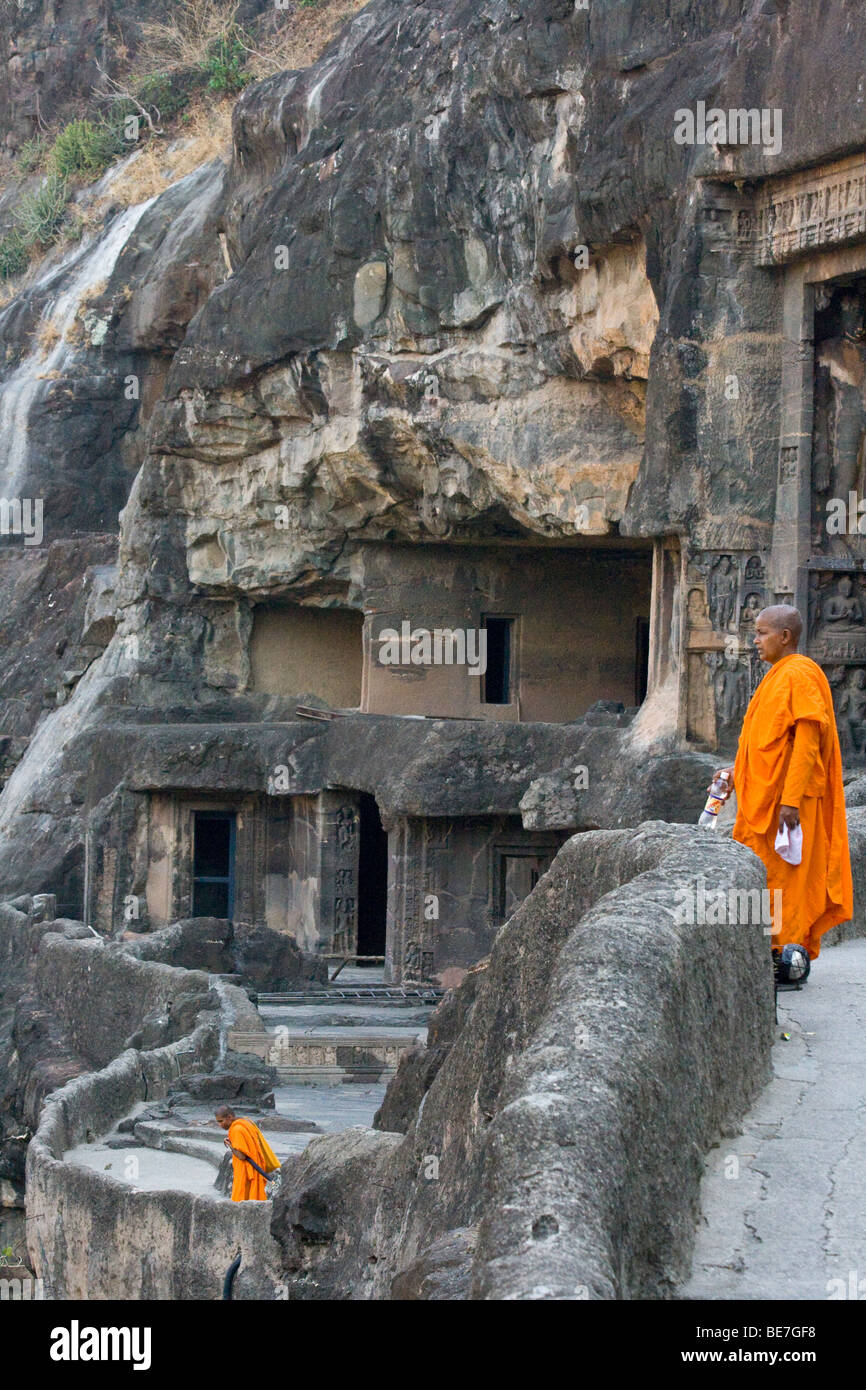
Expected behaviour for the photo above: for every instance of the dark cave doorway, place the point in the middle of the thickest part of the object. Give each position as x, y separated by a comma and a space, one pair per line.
372, 879
213, 872
641, 659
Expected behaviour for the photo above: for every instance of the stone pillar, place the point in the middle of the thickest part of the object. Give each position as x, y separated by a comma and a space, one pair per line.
340, 846
791, 527
407, 952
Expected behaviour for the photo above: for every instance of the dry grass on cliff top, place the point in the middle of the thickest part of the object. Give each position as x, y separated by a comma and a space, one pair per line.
303, 37
186, 37
205, 135
205, 131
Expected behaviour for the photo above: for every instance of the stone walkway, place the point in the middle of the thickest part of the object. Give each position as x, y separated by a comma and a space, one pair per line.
195, 1141
784, 1203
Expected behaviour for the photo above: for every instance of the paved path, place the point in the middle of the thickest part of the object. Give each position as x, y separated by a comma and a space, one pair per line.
795, 1216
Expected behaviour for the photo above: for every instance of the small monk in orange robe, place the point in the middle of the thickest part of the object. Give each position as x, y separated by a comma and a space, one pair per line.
252, 1156
788, 772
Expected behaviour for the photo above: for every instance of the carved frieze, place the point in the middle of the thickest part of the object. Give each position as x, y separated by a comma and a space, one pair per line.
799, 214
340, 846
726, 592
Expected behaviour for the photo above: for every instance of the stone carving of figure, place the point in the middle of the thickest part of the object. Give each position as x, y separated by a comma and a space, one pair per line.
346, 826
851, 712
754, 569
751, 609
839, 420
723, 589
697, 610
731, 689
756, 672
841, 611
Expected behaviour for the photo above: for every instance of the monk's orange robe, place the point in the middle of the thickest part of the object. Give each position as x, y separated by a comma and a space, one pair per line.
248, 1185
789, 756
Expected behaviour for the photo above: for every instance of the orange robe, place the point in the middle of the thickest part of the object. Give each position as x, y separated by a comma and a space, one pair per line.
248, 1185
789, 756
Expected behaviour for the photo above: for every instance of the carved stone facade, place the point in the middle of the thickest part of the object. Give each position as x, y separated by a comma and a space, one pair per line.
726, 590
452, 883
798, 214
812, 227
298, 868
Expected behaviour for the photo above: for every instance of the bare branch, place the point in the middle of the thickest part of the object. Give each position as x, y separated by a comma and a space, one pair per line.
116, 92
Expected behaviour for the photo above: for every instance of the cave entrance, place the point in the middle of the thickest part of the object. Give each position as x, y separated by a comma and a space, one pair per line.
213, 873
641, 659
372, 879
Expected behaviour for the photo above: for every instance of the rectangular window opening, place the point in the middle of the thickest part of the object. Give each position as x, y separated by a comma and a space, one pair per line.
498, 676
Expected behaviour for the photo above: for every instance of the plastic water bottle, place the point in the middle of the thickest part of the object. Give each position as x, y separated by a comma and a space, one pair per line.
709, 817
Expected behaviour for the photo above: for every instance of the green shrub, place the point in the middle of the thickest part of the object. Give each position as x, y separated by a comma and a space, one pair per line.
225, 64
164, 93
73, 227
83, 147
40, 214
32, 154
14, 255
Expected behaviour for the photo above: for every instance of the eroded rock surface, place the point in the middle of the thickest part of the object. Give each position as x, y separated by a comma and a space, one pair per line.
599, 1029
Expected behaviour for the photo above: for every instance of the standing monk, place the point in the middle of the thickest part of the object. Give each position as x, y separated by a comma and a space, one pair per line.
246, 1142
788, 772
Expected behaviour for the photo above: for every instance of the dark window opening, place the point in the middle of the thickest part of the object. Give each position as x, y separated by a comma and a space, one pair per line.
372, 880
213, 864
497, 678
641, 670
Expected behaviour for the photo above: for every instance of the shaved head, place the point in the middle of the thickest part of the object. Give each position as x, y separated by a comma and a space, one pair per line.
781, 616
777, 632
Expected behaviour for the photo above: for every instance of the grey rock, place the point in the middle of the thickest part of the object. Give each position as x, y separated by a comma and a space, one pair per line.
568, 1063
271, 961
442, 1272
236, 1077
197, 943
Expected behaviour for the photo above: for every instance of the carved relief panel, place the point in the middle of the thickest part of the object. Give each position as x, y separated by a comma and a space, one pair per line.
726, 591
837, 641
340, 830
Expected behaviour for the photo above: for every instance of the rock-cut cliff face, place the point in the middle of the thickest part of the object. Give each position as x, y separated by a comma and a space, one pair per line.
399, 338
464, 292
406, 348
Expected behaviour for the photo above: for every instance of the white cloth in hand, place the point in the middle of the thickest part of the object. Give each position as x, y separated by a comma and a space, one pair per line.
789, 844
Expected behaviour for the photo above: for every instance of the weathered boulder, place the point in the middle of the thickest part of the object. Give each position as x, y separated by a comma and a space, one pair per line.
236, 1076
273, 961
419, 1066
325, 1211
262, 958
196, 943
175, 1019
847, 931
443, 1272
606, 1024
